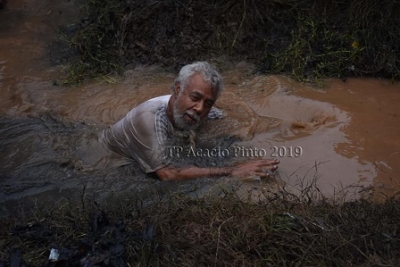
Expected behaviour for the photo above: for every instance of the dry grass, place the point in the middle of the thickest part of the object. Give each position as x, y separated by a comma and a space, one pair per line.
282, 230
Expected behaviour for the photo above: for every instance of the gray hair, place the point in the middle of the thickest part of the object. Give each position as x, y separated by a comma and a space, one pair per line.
209, 73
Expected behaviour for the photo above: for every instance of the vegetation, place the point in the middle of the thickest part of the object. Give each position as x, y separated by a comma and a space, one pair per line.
307, 39
282, 230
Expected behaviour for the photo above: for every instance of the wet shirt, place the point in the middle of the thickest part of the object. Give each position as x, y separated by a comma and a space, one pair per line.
143, 132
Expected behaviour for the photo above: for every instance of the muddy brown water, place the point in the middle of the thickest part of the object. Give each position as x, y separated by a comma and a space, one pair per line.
341, 139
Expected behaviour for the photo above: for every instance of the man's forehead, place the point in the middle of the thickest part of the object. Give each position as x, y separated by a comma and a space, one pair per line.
210, 96
198, 86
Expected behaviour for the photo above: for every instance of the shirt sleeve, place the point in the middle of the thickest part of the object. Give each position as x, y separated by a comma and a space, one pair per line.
216, 113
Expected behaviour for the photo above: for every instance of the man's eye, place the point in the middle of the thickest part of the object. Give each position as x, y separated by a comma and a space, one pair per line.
208, 104
195, 98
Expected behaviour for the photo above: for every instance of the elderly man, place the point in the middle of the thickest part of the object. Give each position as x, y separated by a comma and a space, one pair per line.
143, 133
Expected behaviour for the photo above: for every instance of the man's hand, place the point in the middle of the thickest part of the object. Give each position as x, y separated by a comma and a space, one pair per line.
261, 168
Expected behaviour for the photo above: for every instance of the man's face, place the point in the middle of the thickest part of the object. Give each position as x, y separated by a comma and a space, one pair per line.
193, 103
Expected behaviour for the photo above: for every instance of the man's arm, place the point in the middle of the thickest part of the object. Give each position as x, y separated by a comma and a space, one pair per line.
257, 167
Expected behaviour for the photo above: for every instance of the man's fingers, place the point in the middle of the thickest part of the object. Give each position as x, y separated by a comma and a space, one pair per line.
270, 168
264, 175
262, 168
274, 161
267, 162
270, 161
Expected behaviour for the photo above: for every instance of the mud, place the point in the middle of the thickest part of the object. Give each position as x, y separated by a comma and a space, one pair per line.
341, 139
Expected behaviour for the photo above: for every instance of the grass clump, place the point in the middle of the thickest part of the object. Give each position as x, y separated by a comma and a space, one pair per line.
308, 39
227, 231
341, 39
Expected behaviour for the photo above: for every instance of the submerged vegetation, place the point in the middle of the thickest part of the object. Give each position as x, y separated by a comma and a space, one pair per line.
280, 231
307, 39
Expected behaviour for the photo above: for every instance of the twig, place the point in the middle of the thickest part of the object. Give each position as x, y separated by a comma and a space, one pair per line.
241, 24
219, 236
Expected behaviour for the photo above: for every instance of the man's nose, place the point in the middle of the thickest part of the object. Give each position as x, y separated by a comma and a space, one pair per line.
198, 108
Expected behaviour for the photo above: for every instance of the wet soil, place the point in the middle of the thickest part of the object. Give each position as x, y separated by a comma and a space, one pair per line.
341, 139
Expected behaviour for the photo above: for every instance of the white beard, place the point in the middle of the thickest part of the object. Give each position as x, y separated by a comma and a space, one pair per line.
181, 123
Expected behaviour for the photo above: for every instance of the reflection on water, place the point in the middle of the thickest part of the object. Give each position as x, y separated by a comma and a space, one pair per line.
345, 135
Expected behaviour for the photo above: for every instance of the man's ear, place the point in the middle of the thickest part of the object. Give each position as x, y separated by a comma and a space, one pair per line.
177, 88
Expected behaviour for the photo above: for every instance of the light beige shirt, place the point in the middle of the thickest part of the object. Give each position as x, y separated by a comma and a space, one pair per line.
143, 132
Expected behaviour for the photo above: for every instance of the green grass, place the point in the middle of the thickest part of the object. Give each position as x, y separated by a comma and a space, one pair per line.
307, 39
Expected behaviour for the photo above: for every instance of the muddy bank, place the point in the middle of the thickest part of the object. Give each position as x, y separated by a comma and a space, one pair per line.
207, 231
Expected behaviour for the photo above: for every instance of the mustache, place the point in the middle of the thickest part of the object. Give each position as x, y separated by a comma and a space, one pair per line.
193, 115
